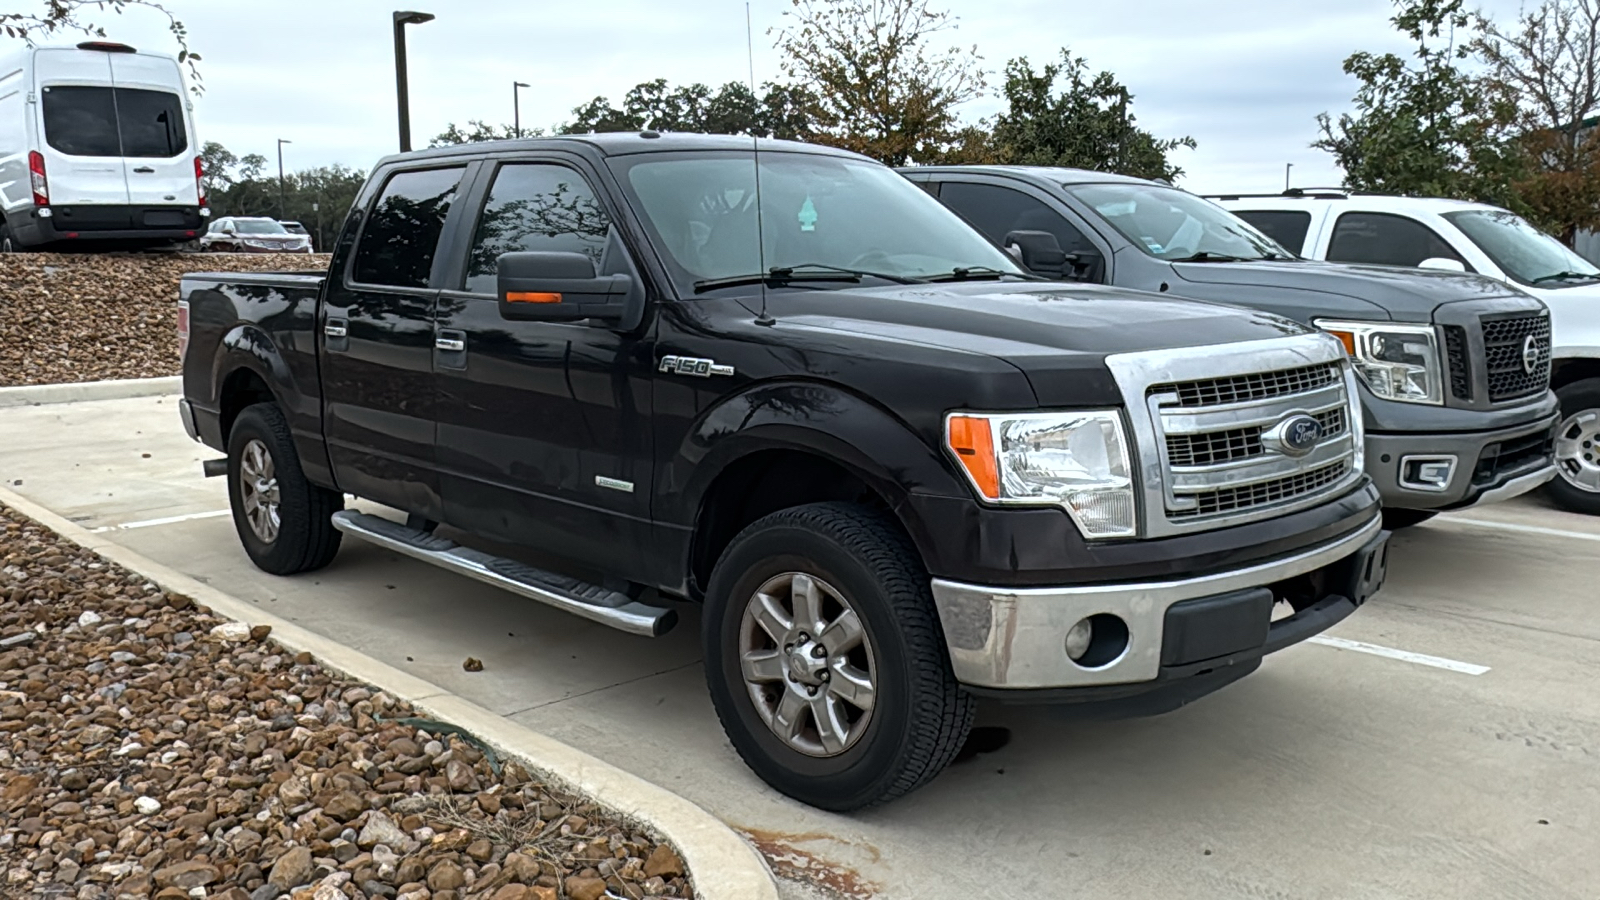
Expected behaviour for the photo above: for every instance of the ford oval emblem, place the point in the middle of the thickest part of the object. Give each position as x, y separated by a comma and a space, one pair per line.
1294, 436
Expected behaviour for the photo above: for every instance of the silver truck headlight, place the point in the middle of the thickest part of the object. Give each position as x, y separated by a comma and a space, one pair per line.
1397, 362
1075, 460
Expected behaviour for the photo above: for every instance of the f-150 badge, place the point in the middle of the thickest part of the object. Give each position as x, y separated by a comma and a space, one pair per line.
688, 365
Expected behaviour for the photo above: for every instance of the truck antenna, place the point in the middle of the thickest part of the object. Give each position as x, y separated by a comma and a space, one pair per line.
755, 147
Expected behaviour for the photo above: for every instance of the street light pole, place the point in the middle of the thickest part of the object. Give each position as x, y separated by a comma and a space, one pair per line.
516, 107
281, 205
1286, 168
402, 91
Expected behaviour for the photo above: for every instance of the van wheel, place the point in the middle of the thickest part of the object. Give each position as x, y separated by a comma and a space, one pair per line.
1396, 519
7, 243
1577, 485
826, 661
284, 521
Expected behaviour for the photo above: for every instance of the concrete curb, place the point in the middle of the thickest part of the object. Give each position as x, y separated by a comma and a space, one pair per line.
40, 394
720, 863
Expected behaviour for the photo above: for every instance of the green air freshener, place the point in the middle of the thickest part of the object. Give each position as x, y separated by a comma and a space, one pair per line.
808, 216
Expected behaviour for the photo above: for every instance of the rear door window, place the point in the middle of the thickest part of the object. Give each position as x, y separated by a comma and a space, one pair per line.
402, 232
1286, 226
83, 120
151, 123
1387, 240
539, 207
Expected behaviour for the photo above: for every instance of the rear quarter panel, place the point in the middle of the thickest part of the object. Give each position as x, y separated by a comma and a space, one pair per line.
265, 324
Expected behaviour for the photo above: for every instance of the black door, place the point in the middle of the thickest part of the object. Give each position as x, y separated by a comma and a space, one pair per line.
377, 364
544, 435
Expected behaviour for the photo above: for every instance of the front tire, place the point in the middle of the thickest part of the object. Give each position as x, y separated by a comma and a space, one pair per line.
826, 661
284, 521
1577, 483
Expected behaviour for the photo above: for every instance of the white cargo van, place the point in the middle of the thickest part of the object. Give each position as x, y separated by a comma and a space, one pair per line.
97, 146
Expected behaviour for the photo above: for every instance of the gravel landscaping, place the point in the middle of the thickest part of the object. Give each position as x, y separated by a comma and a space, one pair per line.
82, 317
149, 749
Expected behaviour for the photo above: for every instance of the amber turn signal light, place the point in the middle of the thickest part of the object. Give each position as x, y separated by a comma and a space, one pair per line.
973, 442
531, 297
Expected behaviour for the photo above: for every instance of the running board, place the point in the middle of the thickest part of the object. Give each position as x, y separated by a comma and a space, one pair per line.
580, 598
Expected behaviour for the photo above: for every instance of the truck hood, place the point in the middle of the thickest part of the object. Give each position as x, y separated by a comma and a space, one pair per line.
1057, 334
1409, 295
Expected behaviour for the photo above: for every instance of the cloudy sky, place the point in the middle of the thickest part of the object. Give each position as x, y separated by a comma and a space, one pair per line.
1245, 78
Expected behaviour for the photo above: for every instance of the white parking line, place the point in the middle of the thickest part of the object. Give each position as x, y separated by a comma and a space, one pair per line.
1421, 659
1524, 529
169, 520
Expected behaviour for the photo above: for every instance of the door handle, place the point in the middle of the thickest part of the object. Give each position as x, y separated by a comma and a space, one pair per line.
451, 344
145, 170
336, 328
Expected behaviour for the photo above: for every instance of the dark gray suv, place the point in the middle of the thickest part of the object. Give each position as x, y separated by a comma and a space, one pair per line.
1455, 369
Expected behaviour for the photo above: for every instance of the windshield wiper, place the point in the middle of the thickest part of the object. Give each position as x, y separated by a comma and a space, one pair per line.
1568, 276
973, 273
1205, 256
800, 272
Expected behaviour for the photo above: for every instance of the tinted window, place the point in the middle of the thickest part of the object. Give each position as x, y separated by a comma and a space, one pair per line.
1385, 240
81, 121
1287, 227
151, 123
997, 211
535, 207
258, 226
402, 231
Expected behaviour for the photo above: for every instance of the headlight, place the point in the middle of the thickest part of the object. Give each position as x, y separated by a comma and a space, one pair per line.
1075, 460
1398, 362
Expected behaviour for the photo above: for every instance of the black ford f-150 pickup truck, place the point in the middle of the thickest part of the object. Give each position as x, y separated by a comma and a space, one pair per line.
1454, 369
899, 472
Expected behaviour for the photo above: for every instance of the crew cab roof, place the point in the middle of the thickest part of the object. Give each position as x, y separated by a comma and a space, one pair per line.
621, 144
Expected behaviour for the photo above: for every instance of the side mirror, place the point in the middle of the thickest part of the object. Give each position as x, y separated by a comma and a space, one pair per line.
229, 229
561, 287
1442, 264
1038, 251
1086, 265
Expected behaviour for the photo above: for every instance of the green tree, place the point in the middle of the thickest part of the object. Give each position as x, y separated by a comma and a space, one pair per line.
240, 186
1426, 126
1548, 63
876, 83
781, 111
478, 131
82, 17
1063, 116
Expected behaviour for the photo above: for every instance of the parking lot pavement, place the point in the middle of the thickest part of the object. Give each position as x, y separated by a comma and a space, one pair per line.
1446, 743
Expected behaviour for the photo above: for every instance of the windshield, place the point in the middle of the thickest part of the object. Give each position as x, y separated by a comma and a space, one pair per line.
1173, 225
816, 211
258, 226
1522, 251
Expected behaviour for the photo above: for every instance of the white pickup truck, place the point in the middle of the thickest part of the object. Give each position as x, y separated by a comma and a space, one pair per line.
1430, 233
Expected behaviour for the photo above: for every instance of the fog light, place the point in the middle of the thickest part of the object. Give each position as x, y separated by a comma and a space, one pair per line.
1079, 638
1427, 473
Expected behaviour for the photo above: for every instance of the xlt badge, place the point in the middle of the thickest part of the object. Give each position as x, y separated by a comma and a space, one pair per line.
689, 365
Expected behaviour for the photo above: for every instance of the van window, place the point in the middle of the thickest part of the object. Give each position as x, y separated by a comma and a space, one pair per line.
81, 120
402, 231
151, 123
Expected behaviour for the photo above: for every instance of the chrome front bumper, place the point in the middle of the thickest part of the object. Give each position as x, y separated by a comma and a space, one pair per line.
1014, 638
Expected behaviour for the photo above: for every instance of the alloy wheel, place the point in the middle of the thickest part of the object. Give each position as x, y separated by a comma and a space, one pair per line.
1578, 450
807, 664
258, 490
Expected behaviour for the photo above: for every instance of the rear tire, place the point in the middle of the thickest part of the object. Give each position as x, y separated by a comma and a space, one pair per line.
1396, 519
848, 560
8, 244
284, 521
1577, 483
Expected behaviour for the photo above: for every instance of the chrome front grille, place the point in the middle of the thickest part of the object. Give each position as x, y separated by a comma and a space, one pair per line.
1506, 347
1207, 424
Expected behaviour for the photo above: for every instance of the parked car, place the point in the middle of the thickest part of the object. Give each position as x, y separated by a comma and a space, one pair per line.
898, 472
246, 234
1449, 425
97, 146
1455, 236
